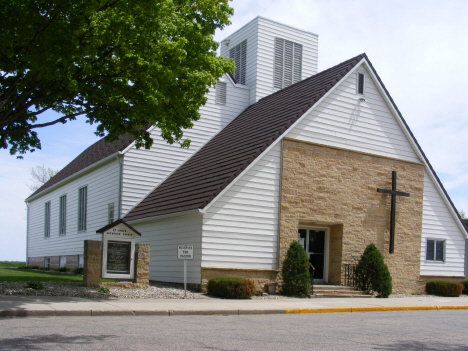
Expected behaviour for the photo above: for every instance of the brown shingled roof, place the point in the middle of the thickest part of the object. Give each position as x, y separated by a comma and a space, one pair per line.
96, 152
198, 181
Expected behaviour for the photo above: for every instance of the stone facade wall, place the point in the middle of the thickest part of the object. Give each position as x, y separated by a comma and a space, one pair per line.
36, 261
261, 277
92, 263
72, 261
142, 261
336, 188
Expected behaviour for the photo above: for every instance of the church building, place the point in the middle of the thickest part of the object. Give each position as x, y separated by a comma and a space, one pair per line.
281, 153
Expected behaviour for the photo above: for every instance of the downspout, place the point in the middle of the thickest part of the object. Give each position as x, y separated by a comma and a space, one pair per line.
279, 205
27, 231
119, 201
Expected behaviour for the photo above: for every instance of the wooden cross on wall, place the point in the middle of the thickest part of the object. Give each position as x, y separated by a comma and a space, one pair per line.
394, 194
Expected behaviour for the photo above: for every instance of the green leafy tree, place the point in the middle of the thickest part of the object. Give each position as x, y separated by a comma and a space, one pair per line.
124, 65
296, 276
379, 278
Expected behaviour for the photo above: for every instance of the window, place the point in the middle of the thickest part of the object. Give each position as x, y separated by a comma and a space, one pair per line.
63, 261
360, 83
110, 213
239, 54
80, 261
220, 93
435, 250
63, 215
47, 262
288, 63
47, 220
82, 202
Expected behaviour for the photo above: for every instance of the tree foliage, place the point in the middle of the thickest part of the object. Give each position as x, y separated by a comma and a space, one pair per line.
379, 275
40, 175
125, 65
296, 275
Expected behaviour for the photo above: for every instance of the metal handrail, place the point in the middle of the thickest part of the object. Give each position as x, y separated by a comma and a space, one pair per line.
359, 276
312, 279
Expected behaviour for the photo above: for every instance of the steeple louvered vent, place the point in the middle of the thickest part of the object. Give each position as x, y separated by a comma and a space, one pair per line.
239, 54
221, 93
288, 63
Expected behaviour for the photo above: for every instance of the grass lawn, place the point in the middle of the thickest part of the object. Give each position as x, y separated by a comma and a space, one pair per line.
19, 275
12, 264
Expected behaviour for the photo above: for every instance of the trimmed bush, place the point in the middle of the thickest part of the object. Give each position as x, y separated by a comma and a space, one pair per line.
78, 271
380, 280
62, 269
464, 282
231, 288
103, 289
35, 285
442, 288
296, 276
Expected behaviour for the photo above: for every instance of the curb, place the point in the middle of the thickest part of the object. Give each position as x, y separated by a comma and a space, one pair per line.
89, 313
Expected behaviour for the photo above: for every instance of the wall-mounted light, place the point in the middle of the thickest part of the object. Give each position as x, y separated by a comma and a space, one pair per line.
226, 42
362, 100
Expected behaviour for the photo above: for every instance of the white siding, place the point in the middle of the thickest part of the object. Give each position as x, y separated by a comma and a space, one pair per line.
438, 223
164, 235
340, 120
240, 229
249, 32
144, 169
102, 183
260, 34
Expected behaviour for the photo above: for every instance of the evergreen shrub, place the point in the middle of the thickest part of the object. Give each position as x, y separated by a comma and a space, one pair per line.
380, 280
231, 288
296, 276
78, 271
35, 285
62, 269
442, 288
464, 282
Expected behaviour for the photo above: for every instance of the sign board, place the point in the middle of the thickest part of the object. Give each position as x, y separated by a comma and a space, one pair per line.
185, 252
118, 252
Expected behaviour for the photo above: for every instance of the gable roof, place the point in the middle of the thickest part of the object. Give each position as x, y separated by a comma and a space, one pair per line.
96, 152
199, 180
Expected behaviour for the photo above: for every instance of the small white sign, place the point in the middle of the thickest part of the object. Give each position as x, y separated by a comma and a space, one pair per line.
185, 252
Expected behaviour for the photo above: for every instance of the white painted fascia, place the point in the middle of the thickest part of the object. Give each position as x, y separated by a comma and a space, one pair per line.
413, 144
299, 120
169, 215
75, 175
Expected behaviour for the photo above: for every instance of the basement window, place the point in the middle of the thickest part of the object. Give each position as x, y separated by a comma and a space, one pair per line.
360, 83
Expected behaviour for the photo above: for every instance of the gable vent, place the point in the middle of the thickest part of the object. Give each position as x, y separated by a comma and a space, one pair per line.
220, 93
288, 63
239, 54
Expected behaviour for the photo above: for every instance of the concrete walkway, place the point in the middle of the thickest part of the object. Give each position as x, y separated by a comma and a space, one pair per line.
41, 306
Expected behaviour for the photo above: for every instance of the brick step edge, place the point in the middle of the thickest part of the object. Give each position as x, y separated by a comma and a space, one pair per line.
353, 292
341, 295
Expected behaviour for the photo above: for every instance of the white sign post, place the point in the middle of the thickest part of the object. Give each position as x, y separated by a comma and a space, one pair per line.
185, 252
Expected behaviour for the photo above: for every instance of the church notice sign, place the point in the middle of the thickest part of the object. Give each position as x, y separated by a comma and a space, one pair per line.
118, 257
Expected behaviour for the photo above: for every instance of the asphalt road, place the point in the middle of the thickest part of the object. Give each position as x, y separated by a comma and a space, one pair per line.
422, 330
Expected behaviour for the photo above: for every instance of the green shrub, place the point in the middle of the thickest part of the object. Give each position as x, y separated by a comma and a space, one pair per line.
62, 269
35, 285
464, 282
441, 288
103, 289
78, 271
380, 280
296, 276
231, 288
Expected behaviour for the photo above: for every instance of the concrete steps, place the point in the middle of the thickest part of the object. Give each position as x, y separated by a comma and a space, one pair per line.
338, 291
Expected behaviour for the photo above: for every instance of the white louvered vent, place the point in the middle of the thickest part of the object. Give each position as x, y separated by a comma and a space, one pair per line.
239, 54
221, 93
288, 63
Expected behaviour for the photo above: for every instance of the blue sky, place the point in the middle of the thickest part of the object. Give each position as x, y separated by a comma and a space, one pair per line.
419, 49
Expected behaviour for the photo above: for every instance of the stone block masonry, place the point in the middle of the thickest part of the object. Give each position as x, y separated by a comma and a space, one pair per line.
92, 263
72, 261
260, 277
337, 188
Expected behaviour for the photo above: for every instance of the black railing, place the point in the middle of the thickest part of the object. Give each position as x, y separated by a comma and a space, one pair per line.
359, 276
312, 273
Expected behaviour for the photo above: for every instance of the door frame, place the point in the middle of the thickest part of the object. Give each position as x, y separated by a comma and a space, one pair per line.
326, 249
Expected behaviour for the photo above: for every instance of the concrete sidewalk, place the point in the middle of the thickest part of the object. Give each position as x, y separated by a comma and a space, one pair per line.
42, 306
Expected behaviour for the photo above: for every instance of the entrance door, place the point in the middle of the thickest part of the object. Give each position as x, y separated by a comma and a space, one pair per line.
314, 243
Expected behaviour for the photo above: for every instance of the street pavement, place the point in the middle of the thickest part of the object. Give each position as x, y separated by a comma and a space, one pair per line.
32, 306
